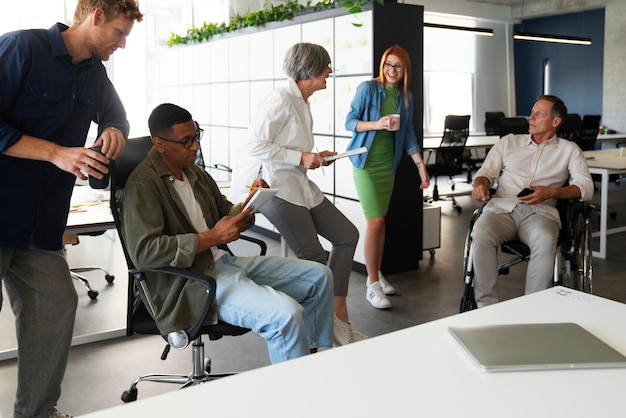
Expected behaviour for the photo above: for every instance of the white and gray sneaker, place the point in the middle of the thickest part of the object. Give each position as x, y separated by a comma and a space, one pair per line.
388, 289
56, 414
376, 297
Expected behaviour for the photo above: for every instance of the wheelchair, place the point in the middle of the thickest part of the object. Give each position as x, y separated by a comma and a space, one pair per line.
572, 264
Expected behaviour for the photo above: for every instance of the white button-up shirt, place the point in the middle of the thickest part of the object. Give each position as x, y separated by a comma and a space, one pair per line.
281, 131
516, 162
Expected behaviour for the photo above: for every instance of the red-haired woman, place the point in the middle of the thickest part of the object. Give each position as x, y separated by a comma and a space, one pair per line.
373, 119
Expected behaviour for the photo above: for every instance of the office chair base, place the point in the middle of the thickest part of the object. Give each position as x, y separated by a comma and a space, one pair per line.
93, 294
201, 373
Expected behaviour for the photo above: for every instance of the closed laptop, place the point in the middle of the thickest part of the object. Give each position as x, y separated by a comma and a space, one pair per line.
543, 346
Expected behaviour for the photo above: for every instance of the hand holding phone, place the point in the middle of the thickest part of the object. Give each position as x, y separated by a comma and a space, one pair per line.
525, 192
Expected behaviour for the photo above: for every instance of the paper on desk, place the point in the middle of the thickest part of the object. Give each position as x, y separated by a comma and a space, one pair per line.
346, 154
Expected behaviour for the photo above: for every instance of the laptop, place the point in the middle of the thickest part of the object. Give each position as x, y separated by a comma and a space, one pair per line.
522, 347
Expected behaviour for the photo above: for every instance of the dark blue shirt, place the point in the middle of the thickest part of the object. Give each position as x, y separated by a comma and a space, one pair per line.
42, 94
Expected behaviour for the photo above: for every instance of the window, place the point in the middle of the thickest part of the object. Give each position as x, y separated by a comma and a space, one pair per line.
449, 73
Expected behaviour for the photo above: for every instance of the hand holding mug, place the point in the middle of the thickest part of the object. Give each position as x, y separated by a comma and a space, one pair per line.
393, 122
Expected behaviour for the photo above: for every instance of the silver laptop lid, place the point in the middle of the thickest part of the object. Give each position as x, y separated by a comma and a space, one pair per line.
518, 347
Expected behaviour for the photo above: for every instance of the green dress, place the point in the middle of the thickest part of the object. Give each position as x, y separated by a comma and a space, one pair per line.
374, 182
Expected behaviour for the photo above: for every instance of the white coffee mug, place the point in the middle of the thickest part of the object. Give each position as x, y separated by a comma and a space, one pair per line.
393, 123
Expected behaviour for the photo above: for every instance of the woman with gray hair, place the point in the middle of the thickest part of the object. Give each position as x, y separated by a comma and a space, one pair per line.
279, 144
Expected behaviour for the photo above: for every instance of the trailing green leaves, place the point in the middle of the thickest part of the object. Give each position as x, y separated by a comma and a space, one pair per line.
269, 13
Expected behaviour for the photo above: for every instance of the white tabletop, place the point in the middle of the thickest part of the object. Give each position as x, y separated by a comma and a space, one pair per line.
473, 141
607, 158
418, 372
89, 211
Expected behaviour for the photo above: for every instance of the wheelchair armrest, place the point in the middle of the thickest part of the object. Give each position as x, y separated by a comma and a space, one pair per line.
195, 329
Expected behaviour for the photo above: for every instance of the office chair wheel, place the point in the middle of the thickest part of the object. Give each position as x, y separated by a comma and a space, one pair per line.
129, 395
93, 294
109, 278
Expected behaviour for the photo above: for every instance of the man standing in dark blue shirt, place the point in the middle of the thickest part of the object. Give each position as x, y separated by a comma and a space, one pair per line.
53, 85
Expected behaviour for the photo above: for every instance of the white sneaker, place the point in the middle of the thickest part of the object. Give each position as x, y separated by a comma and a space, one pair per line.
376, 297
388, 289
344, 334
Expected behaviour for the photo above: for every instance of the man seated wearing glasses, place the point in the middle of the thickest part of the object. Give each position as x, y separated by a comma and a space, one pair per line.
175, 216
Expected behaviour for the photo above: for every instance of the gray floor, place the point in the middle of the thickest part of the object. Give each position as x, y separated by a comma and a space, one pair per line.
99, 372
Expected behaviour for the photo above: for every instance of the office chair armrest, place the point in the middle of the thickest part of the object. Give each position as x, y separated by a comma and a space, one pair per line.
195, 329
262, 244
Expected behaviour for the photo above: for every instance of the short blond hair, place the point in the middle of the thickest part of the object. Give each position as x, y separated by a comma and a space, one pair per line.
111, 8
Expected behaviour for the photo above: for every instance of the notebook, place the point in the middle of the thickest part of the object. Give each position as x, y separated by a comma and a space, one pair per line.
521, 347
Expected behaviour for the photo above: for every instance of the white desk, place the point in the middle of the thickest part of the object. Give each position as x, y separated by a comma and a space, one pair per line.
418, 372
89, 211
605, 162
473, 141
609, 141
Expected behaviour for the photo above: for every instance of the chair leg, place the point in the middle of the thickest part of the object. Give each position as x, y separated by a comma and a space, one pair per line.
93, 294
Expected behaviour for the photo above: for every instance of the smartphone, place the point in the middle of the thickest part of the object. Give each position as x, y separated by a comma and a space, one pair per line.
525, 192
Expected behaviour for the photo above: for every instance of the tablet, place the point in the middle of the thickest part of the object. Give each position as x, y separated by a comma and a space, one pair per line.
261, 197
346, 154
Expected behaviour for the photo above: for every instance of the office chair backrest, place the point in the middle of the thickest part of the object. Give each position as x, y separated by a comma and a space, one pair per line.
452, 146
492, 122
455, 130
513, 125
570, 127
588, 133
135, 152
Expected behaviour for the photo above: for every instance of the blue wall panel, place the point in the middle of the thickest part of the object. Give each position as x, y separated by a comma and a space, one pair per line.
576, 71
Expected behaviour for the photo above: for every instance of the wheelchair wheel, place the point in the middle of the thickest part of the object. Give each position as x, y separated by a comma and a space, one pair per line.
585, 270
582, 254
468, 302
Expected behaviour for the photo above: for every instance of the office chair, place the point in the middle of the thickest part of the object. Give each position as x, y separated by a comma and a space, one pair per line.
492, 127
492, 122
572, 264
586, 140
449, 156
588, 132
513, 125
570, 127
138, 319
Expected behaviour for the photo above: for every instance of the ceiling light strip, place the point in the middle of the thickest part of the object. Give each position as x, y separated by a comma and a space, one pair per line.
477, 31
525, 36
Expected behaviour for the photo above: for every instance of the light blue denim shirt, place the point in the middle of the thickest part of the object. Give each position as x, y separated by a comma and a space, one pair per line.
366, 105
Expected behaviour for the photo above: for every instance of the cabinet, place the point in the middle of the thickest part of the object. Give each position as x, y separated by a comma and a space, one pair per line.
431, 230
221, 82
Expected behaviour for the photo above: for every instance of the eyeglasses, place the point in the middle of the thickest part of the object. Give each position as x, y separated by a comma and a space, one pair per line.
189, 141
389, 66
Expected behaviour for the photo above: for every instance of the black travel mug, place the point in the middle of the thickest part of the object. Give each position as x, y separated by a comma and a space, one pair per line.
102, 183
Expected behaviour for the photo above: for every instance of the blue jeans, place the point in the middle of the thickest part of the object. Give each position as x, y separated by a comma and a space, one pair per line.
289, 302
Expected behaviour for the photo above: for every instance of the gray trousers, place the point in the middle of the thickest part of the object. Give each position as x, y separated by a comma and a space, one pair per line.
300, 228
492, 229
44, 300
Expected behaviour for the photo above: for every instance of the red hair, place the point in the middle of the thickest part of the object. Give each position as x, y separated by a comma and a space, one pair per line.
405, 60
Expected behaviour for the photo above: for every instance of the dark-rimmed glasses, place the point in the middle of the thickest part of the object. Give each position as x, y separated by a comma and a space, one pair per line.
189, 141
389, 66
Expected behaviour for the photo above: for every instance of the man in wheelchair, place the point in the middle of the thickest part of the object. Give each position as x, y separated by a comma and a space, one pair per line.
530, 171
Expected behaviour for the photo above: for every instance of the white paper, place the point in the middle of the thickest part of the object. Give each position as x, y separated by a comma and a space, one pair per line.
261, 197
346, 154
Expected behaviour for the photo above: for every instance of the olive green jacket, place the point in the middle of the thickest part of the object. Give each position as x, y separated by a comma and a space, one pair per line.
159, 234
